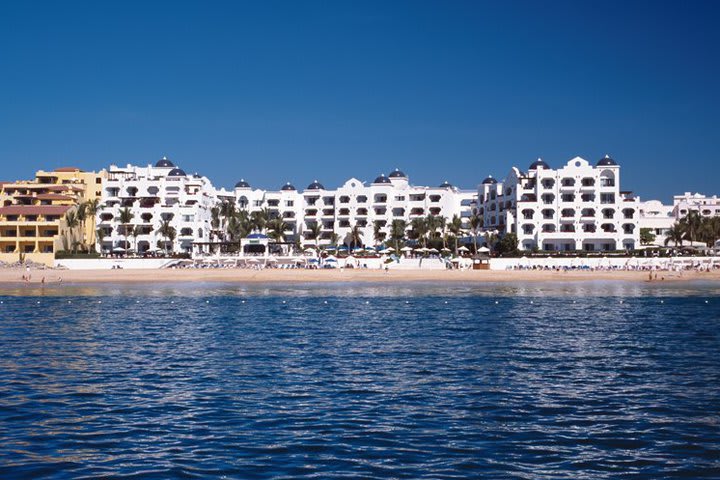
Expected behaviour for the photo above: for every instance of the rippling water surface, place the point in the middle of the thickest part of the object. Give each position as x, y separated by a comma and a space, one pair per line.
597, 380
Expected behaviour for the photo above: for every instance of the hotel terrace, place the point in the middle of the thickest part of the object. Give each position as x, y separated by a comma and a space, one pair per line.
33, 214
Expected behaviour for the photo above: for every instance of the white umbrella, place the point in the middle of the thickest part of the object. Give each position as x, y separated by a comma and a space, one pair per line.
483, 250
385, 251
463, 249
433, 250
252, 260
406, 249
118, 249
445, 249
389, 249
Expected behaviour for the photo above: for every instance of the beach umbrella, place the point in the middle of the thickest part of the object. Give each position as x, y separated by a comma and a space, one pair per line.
483, 250
406, 249
118, 249
252, 260
389, 249
463, 249
445, 249
386, 251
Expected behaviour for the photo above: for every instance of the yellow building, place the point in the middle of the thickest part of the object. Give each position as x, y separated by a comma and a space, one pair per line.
33, 215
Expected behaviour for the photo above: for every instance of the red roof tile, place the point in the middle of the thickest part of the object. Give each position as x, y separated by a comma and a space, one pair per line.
34, 210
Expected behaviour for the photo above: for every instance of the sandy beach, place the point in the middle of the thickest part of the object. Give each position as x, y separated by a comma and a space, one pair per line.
14, 276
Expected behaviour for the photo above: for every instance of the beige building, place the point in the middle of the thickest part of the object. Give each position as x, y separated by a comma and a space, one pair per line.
33, 222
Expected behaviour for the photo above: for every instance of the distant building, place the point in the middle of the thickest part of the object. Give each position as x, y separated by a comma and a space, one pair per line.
33, 214
578, 206
687, 202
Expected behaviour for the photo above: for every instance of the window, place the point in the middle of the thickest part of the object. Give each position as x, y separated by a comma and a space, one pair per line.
289, 203
607, 198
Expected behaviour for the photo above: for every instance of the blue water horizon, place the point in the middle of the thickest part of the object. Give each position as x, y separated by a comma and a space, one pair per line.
526, 380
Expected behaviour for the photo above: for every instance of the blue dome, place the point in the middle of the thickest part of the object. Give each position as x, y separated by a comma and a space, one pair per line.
445, 184
242, 184
382, 179
177, 172
257, 235
288, 186
538, 163
315, 186
164, 163
489, 180
397, 174
606, 161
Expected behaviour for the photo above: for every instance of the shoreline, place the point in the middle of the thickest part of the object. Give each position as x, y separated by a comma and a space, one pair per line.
13, 277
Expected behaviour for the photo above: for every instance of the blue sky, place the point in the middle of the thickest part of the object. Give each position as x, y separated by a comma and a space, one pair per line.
293, 91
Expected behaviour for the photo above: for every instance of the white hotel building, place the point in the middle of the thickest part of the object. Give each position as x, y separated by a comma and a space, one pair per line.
165, 192
153, 194
688, 202
338, 210
575, 207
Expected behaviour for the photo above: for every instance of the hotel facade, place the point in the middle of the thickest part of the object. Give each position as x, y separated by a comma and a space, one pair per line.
164, 192
152, 195
578, 206
33, 215
370, 207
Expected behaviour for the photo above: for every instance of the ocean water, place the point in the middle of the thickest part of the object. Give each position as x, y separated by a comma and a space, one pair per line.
577, 381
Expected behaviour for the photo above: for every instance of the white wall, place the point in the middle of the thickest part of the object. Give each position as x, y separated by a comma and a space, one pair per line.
109, 263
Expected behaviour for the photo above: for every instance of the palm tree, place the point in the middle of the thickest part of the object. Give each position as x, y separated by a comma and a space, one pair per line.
491, 239
72, 221
314, 230
691, 224
135, 232
215, 219
100, 236
92, 207
259, 219
419, 228
227, 210
81, 213
355, 236
169, 232
276, 229
710, 230
397, 232
456, 229
675, 234
475, 224
378, 234
126, 216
